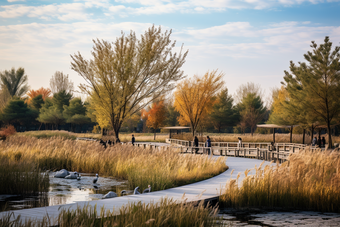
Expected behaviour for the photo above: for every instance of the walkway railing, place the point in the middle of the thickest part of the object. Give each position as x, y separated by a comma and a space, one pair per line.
265, 151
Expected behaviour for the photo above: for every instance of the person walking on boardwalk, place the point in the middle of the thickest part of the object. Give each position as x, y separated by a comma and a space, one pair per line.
323, 142
319, 142
208, 144
133, 140
315, 140
196, 144
239, 143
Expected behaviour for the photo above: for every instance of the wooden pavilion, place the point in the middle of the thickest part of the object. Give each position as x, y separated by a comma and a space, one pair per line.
274, 126
177, 129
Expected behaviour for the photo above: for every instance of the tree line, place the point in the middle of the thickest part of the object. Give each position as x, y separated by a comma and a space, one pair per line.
138, 81
44, 108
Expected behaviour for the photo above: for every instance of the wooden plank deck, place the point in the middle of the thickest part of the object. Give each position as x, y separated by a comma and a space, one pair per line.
203, 190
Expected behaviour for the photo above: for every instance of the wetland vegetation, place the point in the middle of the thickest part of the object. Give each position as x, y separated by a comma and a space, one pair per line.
310, 180
161, 168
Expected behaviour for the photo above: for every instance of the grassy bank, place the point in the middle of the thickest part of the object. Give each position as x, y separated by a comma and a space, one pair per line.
21, 178
161, 169
164, 213
45, 134
309, 181
124, 137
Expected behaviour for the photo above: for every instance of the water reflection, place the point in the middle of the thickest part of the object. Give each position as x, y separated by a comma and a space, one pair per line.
65, 191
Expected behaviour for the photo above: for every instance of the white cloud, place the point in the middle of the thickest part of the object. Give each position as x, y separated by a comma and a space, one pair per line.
241, 40
16, 0
124, 8
64, 12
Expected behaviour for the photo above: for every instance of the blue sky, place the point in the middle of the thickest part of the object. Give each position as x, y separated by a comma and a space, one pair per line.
249, 40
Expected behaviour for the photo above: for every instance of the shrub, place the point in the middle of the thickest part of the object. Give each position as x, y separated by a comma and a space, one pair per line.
7, 131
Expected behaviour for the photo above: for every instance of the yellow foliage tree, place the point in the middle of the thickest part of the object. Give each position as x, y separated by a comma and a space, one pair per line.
194, 97
127, 75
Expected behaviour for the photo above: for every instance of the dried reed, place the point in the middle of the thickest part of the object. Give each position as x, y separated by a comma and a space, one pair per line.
164, 213
308, 181
161, 169
21, 178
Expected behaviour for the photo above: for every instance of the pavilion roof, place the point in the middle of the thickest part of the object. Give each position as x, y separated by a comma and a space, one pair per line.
275, 126
176, 127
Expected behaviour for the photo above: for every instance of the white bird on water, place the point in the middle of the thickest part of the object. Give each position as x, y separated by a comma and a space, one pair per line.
147, 190
96, 179
112, 194
136, 192
79, 177
72, 176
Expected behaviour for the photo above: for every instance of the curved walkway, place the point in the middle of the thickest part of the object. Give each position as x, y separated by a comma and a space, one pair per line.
203, 190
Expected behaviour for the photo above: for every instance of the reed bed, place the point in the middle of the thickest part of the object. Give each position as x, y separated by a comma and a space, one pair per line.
164, 213
308, 181
161, 168
21, 178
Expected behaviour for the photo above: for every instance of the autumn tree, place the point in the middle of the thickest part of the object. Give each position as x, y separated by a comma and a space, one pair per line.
194, 97
286, 111
127, 75
14, 81
156, 116
44, 92
223, 112
315, 84
60, 82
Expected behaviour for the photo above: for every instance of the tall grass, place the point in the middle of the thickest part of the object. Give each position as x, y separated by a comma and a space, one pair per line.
164, 213
309, 181
21, 178
160, 168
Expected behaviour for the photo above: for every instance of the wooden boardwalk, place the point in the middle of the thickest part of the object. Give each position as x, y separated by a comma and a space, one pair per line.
204, 190
264, 151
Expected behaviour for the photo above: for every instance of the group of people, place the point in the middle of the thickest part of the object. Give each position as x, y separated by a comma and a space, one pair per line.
109, 142
207, 144
319, 142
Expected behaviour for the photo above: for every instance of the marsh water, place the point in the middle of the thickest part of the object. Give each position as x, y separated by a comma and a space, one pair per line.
65, 191
277, 218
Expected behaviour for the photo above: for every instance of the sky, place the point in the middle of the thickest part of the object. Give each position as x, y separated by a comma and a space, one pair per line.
248, 40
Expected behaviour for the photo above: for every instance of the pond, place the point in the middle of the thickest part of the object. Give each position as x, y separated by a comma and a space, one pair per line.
278, 218
65, 191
